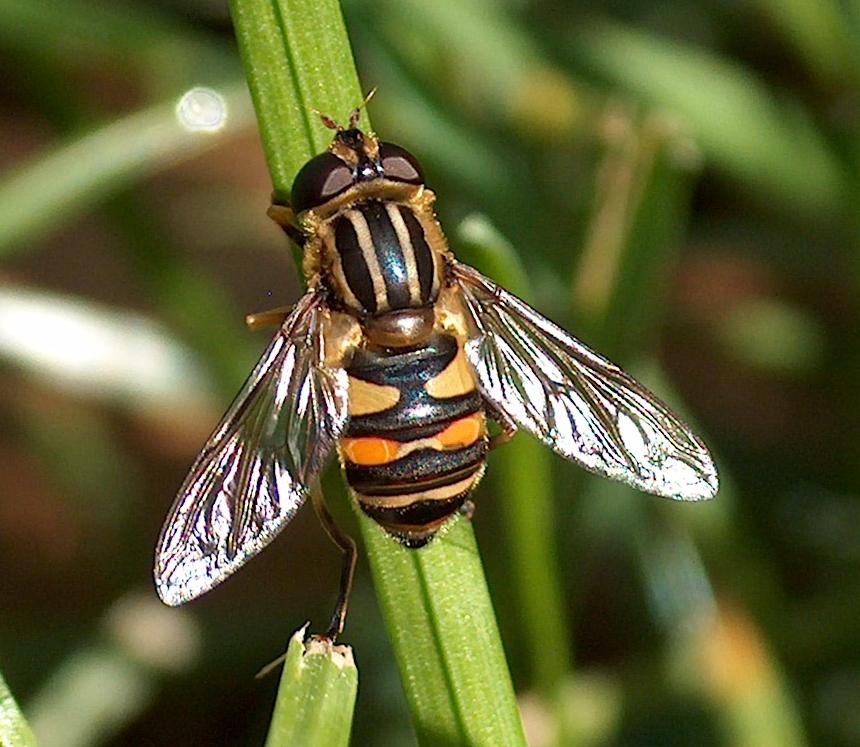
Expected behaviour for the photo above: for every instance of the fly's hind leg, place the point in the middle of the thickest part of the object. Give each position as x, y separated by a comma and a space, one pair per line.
347, 546
508, 426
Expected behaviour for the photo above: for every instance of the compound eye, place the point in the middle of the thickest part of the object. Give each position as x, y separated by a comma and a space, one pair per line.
320, 179
399, 164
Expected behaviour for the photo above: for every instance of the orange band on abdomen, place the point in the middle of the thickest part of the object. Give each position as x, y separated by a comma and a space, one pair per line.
462, 432
369, 451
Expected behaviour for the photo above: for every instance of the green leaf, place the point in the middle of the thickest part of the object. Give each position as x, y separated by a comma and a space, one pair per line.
743, 128
44, 193
316, 696
14, 729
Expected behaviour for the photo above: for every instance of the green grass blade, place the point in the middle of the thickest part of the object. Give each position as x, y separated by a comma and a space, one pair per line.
297, 58
14, 729
743, 128
316, 696
159, 51
41, 195
527, 515
435, 601
444, 634
638, 215
527, 506
90, 697
821, 32
99, 689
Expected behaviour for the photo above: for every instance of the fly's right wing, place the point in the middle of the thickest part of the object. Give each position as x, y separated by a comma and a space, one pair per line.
256, 469
577, 402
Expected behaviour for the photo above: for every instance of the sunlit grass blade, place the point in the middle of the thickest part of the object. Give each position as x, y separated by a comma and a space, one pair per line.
44, 193
744, 129
316, 697
102, 687
14, 729
639, 210
436, 604
443, 630
130, 357
526, 505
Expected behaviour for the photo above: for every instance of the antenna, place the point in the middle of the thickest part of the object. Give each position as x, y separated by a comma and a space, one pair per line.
353, 117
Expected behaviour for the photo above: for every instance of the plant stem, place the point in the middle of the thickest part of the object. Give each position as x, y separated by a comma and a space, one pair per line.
435, 600
316, 696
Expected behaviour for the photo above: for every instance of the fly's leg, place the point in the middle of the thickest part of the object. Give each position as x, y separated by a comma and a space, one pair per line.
347, 546
508, 426
467, 510
284, 216
266, 319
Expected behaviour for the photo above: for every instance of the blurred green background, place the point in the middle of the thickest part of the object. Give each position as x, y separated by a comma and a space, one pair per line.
680, 182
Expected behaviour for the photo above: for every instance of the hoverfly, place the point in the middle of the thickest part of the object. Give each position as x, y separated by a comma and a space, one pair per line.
396, 356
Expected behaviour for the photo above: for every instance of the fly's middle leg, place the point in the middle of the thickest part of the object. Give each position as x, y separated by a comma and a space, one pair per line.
508, 426
267, 319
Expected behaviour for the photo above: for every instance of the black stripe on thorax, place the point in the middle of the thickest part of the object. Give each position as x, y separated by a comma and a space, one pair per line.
404, 261
389, 254
355, 268
423, 254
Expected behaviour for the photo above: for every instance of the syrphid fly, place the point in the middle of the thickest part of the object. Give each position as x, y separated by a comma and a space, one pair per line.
396, 357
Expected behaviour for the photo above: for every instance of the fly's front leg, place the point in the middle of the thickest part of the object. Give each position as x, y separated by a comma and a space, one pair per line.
508, 426
284, 216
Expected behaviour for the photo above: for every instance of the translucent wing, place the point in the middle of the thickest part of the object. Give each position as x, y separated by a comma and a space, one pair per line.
577, 402
254, 472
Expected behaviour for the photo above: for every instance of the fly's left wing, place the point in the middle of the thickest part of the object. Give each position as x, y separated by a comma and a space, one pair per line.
256, 468
577, 402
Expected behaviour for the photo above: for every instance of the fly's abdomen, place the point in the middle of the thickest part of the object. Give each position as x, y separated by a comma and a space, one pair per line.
380, 258
416, 442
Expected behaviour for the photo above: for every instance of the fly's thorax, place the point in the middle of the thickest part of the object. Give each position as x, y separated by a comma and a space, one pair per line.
380, 259
416, 441
380, 255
